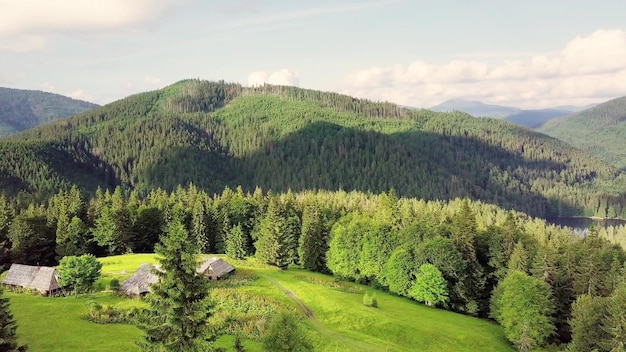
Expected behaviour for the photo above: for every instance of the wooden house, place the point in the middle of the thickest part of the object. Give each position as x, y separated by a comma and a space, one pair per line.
139, 283
42, 279
214, 268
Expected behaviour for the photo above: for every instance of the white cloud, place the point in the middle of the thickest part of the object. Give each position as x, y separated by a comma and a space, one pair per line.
25, 24
588, 69
77, 94
23, 44
153, 81
283, 77
40, 16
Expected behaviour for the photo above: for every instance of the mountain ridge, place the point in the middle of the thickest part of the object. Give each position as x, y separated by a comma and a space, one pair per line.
216, 134
22, 109
599, 130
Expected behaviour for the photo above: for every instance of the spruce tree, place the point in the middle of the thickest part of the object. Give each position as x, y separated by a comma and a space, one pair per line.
313, 240
272, 245
179, 304
8, 339
236, 243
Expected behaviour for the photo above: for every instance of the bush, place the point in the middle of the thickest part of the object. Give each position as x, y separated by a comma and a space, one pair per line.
286, 334
100, 314
370, 300
114, 285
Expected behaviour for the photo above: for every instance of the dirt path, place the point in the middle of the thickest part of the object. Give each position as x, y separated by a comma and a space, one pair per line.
357, 345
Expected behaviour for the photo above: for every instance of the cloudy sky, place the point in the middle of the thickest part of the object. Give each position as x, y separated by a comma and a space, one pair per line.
529, 54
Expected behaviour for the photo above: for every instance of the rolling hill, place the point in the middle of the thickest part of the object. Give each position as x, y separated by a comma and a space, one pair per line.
600, 130
24, 109
215, 134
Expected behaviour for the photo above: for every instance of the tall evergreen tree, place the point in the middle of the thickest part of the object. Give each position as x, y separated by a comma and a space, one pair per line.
272, 246
519, 258
464, 229
6, 217
236, 243
179, 304
588, 314
615, 323
313, 239
8, 326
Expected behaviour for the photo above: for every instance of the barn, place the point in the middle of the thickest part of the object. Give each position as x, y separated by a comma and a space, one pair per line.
139, 283
42, 279
214, 268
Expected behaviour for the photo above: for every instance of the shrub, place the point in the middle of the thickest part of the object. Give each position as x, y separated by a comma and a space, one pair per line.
286, 334
370, 300
100, 314
114, 285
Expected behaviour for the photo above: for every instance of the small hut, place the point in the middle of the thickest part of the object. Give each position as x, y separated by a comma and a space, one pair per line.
42, 279
214, 268
139, 283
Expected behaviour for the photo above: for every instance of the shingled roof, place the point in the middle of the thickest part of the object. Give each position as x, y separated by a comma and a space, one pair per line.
139, 283
214, 268
41, 278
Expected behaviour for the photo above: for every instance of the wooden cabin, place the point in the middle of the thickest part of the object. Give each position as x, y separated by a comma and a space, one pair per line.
214, 268
42, 279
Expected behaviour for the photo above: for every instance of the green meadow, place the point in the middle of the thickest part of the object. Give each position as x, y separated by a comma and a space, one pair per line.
332, 313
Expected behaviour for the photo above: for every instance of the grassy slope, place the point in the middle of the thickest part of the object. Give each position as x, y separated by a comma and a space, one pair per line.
339, 322
56, 324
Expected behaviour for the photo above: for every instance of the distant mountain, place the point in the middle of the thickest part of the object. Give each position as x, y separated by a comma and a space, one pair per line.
600, 130
476, 108
24, 109
536, 118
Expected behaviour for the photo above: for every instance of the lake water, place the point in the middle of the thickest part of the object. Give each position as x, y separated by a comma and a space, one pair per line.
582, 225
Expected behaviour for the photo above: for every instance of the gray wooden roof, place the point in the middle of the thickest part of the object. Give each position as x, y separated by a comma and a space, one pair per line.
41, 278
218, 265
140, 281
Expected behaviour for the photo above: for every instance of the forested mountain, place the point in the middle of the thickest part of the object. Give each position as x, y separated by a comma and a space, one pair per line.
536, 118
24, 109
216, 134
476, 108
600, 130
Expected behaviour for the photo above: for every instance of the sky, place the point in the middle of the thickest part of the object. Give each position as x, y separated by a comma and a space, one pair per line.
527, 54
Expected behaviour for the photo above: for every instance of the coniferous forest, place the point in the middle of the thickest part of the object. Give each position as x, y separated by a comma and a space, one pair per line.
484, 259
441, 208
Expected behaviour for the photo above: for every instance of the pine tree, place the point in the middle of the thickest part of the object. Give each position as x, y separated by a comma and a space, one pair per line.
198, 224
615, 322
271, 245
236, 243
179, 304
519, 258
8, 339
313, 240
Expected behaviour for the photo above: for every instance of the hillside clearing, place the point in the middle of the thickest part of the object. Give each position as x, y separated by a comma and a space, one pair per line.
337, 319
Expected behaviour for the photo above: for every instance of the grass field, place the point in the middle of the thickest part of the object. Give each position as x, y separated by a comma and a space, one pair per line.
332, 312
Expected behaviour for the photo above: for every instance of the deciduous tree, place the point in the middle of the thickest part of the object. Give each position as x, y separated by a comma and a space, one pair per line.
79, 273
430, 287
